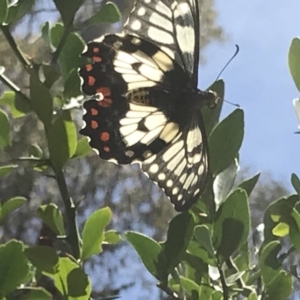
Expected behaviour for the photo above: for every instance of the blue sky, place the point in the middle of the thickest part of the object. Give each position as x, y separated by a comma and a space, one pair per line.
259, 80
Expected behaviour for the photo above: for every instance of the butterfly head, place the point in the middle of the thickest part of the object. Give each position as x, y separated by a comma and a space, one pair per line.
208, 98
212, 99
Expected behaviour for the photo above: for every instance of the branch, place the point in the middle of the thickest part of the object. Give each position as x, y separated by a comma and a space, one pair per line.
14, 87
6, 32
73, 236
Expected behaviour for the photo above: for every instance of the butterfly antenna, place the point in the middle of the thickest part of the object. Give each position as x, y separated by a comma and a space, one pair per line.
234, 55
234, 104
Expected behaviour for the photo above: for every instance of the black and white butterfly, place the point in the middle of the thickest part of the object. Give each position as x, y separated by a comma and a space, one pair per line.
145, 103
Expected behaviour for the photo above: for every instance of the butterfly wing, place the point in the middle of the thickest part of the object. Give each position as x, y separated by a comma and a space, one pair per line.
128, 121
173, 26
181, 168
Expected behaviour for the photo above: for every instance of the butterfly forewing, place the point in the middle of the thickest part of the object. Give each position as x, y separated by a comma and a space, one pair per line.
172, 25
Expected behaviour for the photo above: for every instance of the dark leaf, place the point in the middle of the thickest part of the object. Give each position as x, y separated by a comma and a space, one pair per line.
4, 129
43, 258
62, 140
13, 266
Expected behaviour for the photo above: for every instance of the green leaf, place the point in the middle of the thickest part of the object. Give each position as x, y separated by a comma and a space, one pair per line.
3, 10
18, 106
197, 250
252, 296
68, 9
268, 262
223, 183
83, 148
148, 250
72, 85
51, 75
179, 235
205, 292
280, 288
229, 133
189, 285
211, 116
294, 61
45, 32
18, 9
43, 258
70, 280
4, 129
93, 232
278, 211
281, 229
203, 237
70, 56
13, 266
62, 140
52, 217
294, 228
4, 170
11, 205
41, 99
249, 184
37, 293
112, 237
296, 183
232, 224
108, 13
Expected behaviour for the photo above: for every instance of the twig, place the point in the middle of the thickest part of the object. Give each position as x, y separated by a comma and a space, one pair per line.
6, 32
14, 87
73, 236
223, 282
168, 291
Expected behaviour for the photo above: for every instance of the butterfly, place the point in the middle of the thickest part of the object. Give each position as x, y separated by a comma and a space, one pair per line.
145, 106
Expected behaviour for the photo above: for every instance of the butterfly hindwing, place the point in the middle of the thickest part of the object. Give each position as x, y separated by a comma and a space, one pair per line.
181, 168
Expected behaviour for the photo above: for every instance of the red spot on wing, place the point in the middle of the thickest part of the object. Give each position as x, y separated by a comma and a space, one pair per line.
94, 124
94, 112
106, 149
104, 136
91, 80
97, 59
89, 67
96, 50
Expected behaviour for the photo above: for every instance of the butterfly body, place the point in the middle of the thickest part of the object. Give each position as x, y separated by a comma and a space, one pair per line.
145, 104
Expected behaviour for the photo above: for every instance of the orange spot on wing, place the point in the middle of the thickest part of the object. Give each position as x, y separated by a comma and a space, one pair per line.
96, 58
104, 136
88, 67
94, 112
94, 124
96, 50
106, 149
91, 80
106, 102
